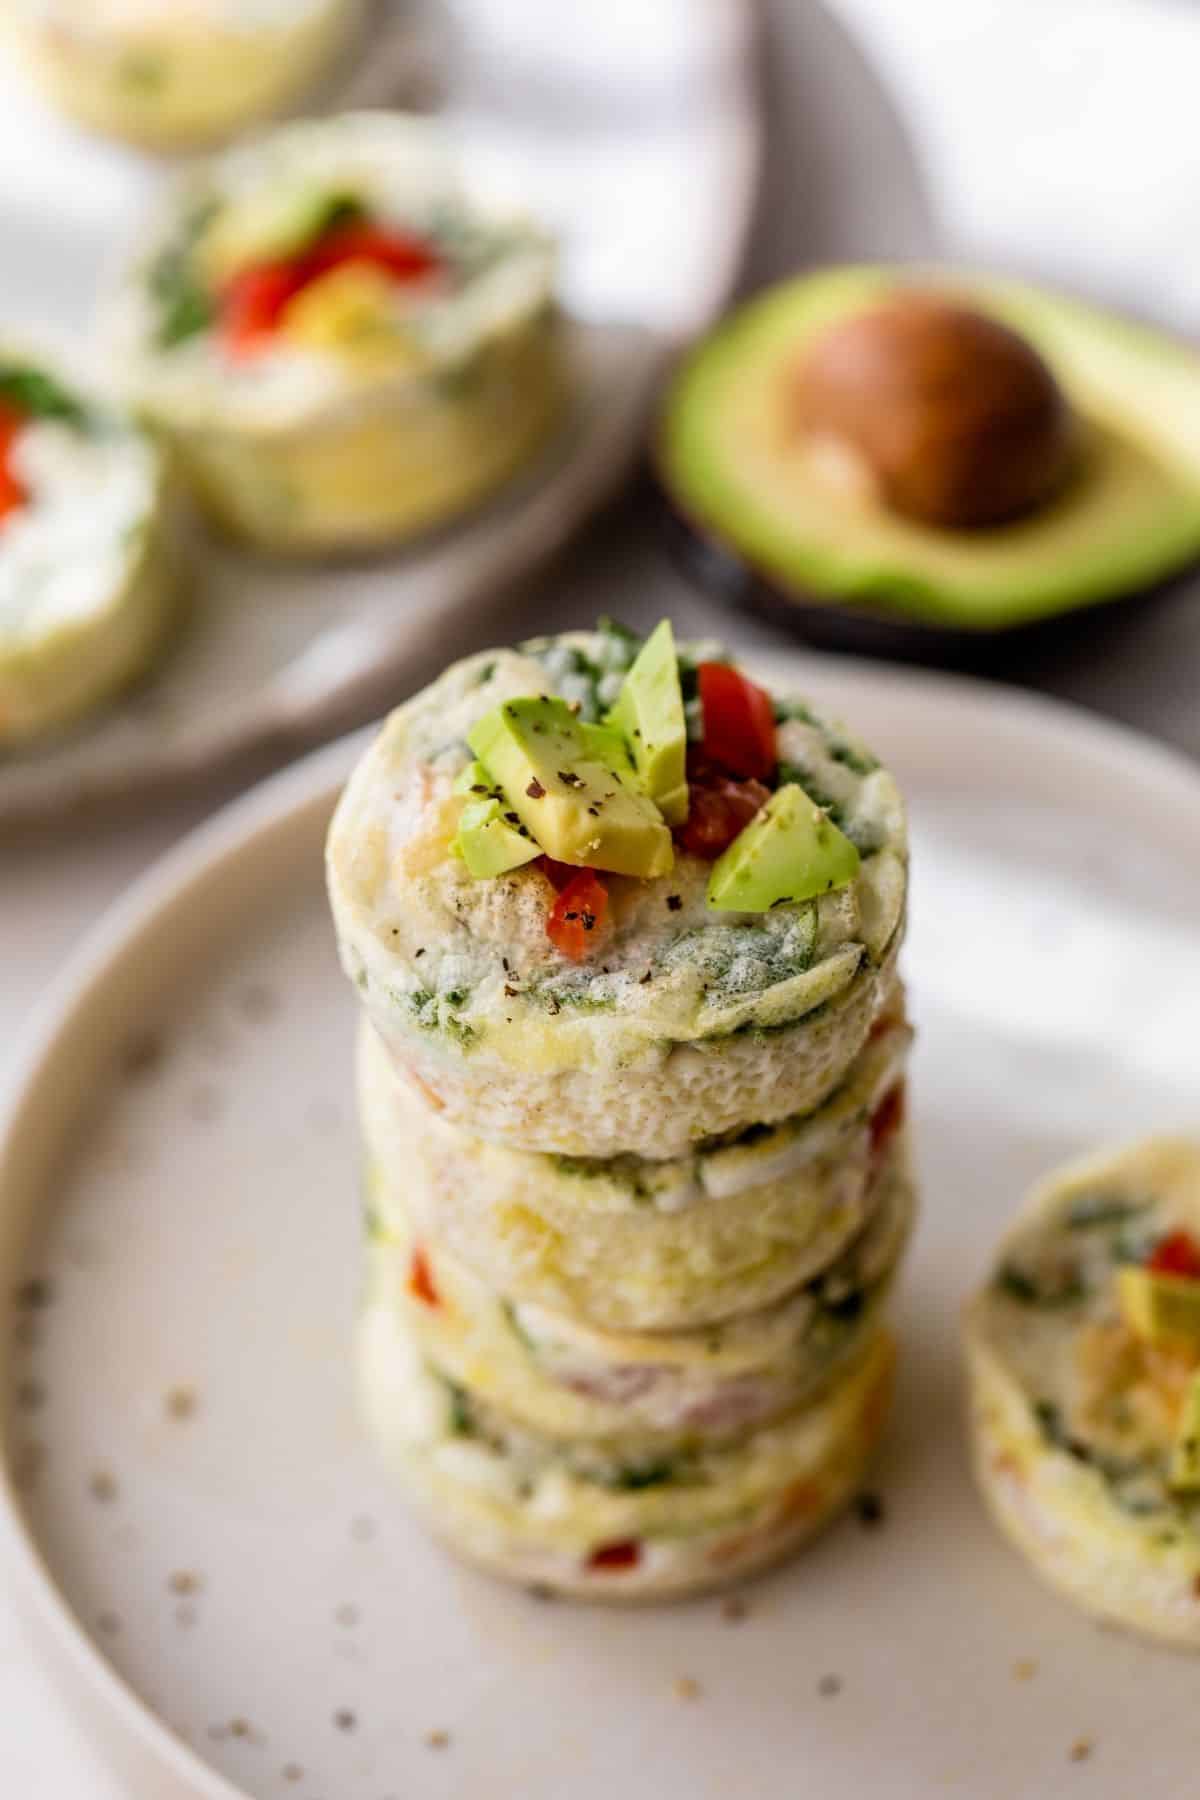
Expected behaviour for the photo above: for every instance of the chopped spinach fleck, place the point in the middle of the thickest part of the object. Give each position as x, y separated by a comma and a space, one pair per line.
590, 677
39, 395
1101, 1208
1061, 1287
580, 999
1132, 1479
185, 305
789, 710
437, 1012
462, 1419
622, 1171
629, 640
1133, 1242
803, 777
631, 1478
735, 960
515, 1326
852, 756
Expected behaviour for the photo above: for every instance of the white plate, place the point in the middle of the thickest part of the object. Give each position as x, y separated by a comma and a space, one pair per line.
180, 1167
635, 134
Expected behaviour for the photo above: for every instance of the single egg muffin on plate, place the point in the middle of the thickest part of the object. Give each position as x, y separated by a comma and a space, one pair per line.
88, 586
645, 1394
631, 1244
343, 342
1084, 1359
604, 897
169, 74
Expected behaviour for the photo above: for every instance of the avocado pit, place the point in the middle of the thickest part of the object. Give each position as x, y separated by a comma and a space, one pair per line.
938, 411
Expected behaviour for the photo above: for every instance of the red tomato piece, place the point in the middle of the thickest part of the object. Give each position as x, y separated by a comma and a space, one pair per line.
12, 422
12, 491
420, 1280
403, 256
578, 914
719, 809
1178, 1254
13, 494
739, 722
624, 1555
560, 875
253, 302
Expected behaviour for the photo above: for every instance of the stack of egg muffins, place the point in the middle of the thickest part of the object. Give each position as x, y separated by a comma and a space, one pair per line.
625, 930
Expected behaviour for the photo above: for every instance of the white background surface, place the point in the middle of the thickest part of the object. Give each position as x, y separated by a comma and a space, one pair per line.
844, 180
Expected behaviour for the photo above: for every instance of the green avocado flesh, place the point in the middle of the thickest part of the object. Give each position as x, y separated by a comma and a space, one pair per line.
1162, 1309
736, 466
488, 843
606, 745
276, 223
573, 805
790, 851
649, 714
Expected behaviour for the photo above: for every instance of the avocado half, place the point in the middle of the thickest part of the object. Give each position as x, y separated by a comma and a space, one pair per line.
741, 477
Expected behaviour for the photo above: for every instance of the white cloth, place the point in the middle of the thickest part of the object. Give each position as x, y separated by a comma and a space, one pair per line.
1057, 137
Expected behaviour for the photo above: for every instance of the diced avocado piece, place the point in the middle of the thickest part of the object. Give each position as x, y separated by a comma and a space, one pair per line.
791, 850
649, 714
1161, 1309
1184, 1473
606, 745
475, 780
271, 223
578, 810
350, 312
489, 843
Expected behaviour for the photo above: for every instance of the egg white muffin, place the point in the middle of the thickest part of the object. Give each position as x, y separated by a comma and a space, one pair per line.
631, 1245
345, 340
681, 1023
576, 1520
87, 587
1084, 1359
644, 1394
172, 73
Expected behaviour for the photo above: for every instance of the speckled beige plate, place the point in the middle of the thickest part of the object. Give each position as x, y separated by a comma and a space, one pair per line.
212, 1560
600, 130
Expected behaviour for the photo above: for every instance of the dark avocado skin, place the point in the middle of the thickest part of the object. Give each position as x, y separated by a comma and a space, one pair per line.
753, 525
853, 630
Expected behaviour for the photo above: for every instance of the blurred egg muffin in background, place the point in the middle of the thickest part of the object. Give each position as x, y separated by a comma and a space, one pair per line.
344, 343
1084, 1356
169, 74
88, 586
